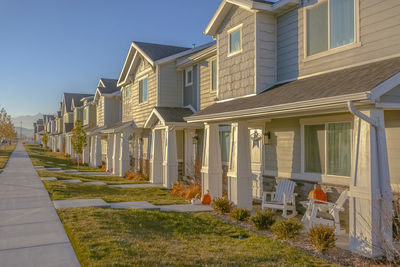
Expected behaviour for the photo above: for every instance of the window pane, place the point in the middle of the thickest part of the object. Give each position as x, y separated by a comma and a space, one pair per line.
225, 142
214, 74
234, 39
314, 148
145, 90
317, 29
342, 22
338, 149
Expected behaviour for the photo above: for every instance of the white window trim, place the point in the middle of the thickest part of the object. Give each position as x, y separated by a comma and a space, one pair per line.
141, 79
324, 177
127, 91
238, 27
355, 44
187, 70
211, 74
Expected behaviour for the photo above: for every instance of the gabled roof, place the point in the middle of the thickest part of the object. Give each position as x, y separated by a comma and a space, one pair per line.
150, 52
168, 115
251, 5
355, 83
68, 97
108, 86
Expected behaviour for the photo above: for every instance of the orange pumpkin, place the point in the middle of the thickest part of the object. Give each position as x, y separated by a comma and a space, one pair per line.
206, 199
318, 194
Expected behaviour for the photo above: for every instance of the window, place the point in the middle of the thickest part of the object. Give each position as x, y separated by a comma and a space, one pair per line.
224, 138
235, 40
189, 76
330, 24
101, 103
143, 90
126, 91
214, 75
327, 148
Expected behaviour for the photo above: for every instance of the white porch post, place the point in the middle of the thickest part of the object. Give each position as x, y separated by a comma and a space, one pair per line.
239, 172
86, 149
124, 154
97, 151
370, 195
170, 163
190, 160
257, 160
211, 171
110, 150
137, 150
156, 160
116, 147
92, 145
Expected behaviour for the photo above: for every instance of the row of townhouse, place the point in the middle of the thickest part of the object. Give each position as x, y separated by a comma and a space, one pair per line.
303, 90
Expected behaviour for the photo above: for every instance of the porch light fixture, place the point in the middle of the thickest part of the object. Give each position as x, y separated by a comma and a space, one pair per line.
195, 139
141, 140
267, 137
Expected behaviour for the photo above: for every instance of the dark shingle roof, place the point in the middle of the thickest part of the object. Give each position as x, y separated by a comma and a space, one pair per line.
77, 99
174, 114
343, 82
110, 86
159, 51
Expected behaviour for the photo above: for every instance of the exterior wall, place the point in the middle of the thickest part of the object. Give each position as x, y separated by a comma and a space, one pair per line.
379, 35
171, 86
236, 73
78, 114
100, 112
91, 115
392, 123
111, 110
127, 104
190, 93
68, 117
207, 97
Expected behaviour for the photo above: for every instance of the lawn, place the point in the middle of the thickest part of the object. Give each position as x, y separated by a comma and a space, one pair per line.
155, 195
5, 153
106, 237
48, 159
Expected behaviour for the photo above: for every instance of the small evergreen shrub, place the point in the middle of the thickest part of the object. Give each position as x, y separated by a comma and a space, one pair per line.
221, 205
287, 229
240, 214
263, 220
322, 237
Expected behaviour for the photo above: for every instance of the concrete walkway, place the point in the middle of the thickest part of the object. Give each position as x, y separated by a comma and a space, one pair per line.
31, 233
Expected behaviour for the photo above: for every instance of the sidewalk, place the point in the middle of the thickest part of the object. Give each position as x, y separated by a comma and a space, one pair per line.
31, 234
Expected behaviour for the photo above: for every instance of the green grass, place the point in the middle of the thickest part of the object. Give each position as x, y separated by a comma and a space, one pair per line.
5, 153
155, 195
43, 157
106, 237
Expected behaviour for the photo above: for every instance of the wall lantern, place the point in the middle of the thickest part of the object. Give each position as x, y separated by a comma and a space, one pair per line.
195, 139
141, 140
267, 137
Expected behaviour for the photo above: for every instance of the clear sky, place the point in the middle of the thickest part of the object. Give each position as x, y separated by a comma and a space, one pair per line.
48, 47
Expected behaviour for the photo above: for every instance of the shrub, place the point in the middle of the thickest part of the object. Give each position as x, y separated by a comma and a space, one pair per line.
287, 229
263, 220
322, 237
187, 191
221, 205
58, 150
240, 214
135, 176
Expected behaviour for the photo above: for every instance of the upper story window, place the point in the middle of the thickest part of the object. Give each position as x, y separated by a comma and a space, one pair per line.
143, 90
101, 103
189, 76
235, 40
126, 91
214, 74
330, 24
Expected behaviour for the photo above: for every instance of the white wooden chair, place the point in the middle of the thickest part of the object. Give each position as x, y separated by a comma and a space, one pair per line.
282, 199
314, 206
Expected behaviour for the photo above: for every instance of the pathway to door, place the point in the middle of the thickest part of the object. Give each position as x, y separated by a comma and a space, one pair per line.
31, 233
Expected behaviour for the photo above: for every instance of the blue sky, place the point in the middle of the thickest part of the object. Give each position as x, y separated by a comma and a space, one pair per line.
52, 46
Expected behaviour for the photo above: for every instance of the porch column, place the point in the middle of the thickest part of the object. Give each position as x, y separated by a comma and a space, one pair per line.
97, 151
85, 151
116, 150
190, 161
170, 163
92, 145
110, 150
137, 150
211, 171
257, 160
156, 158
124, 154
239, 172
370, 195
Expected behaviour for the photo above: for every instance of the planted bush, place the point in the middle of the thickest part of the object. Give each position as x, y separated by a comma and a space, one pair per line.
221, 205
287, 229
322, 237
240, 214
263, 220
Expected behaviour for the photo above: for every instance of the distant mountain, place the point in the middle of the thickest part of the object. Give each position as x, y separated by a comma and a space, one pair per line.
27, 120
25, 132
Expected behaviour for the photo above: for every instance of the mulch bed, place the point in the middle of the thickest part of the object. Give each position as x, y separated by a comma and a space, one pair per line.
302, 242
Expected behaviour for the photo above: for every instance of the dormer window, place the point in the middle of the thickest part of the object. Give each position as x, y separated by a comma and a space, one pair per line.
235, 40
330, 24
189, 76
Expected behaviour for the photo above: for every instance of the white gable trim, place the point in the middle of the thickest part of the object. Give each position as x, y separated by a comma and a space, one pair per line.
385, 87
149, 121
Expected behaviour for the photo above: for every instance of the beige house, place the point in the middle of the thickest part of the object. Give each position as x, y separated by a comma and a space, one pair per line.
312, 98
